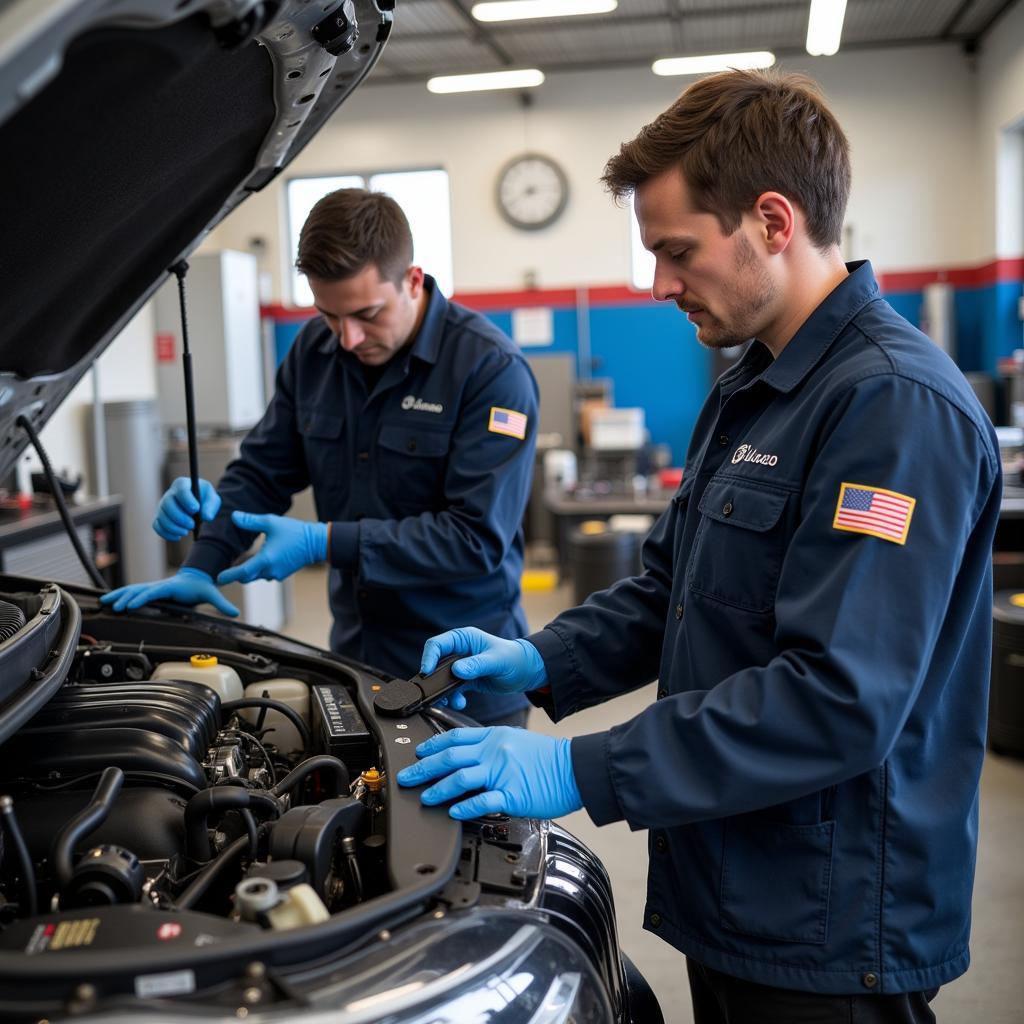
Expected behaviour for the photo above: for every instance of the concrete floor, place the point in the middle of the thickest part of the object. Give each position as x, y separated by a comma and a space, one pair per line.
991, 992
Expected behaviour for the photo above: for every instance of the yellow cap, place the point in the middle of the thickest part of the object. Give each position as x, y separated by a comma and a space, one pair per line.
1018, 600
203, 660
373, 780
593, 526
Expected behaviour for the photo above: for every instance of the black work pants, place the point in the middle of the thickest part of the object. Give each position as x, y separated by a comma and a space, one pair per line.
721, 999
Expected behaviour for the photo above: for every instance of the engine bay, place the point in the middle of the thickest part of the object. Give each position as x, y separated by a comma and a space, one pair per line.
151, 812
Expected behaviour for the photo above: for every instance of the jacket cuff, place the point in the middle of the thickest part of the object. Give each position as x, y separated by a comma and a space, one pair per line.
558, 664
343, 545
591, 765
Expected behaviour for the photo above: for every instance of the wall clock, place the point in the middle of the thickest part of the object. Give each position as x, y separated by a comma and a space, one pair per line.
532, 191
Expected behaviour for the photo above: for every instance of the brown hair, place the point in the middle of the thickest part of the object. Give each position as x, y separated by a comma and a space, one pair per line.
351, 229
738, 134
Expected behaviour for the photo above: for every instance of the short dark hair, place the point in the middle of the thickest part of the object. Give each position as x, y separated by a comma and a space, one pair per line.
738, 134
351, 229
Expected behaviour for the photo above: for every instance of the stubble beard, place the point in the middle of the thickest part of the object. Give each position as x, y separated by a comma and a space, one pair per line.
755, 291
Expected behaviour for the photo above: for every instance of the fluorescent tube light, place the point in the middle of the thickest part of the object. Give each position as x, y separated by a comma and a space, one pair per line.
519, 10
825, 26
710, 63
524, 78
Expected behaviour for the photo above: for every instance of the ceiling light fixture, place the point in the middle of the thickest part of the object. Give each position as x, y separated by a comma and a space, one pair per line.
710, 63
525, 78
520, 10
825, 26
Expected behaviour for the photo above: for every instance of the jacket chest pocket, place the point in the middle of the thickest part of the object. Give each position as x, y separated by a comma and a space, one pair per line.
411, 465
322, 444
739, 544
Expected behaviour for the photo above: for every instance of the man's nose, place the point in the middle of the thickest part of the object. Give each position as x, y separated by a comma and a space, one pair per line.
352, 335
666, 286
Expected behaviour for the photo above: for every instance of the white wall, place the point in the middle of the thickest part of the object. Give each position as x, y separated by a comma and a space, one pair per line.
127, 370
1000, 136
909, 114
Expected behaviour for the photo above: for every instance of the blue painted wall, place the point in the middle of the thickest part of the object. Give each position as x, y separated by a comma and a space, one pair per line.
655, 361
987, 326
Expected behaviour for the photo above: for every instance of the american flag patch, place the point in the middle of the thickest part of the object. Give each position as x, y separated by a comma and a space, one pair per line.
874, 511
507, 421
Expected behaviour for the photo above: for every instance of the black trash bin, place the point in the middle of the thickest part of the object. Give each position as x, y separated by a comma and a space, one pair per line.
1006, 698
599, 557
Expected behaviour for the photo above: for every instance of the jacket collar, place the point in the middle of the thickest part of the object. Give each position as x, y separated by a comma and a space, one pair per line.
822, 327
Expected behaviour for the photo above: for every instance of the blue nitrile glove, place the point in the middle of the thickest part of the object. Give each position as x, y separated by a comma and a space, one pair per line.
187, 586
520, 773
496, 665
290, 545
176, 513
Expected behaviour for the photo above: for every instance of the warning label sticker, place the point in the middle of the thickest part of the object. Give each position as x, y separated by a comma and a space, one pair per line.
63, 935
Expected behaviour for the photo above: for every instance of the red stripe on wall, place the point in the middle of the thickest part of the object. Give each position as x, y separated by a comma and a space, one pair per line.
960, 277
620, 295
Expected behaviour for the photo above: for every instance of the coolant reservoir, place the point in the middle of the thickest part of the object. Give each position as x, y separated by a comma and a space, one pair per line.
205, 669
301, 906
292, 692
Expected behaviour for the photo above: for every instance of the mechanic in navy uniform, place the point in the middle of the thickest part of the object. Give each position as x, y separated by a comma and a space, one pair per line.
414, 420
815, 603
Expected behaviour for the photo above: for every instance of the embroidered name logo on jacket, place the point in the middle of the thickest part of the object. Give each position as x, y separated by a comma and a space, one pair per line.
748, 453
413, 404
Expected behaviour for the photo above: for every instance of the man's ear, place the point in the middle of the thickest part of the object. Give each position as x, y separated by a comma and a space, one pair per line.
414, 281
776, 221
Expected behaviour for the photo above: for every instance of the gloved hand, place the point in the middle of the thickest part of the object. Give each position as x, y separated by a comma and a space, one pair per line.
290, 545
497, 665
187, 586
521, 773
175, 515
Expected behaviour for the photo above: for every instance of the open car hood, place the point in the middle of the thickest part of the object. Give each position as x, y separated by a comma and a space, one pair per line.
129, 129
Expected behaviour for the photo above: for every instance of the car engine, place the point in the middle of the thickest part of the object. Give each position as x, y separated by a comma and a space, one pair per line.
164, 839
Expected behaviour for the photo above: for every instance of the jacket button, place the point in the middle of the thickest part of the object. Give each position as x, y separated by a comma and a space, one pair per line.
723, 439
660, 844
411, 446
655, 920
727, 509
870, 979
662, 693
679, 611
363, 456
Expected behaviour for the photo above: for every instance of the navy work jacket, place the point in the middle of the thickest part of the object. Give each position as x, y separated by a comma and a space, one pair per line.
817, 604
423, 481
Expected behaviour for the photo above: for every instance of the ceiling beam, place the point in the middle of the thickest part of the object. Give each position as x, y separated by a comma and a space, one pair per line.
480, 34
976, 37
962, 9
645, 62
495, 29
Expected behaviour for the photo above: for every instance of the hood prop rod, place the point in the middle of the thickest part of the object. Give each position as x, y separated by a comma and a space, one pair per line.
180, 269
62, 506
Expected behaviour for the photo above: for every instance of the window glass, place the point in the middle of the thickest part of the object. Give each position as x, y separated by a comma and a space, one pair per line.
642, 273
424, 197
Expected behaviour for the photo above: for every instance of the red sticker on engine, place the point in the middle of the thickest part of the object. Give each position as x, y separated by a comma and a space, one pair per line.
168, 930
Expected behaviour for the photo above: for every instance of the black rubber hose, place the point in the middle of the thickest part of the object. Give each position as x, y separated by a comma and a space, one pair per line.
58, 496
319, 762
274, 705
208, 875
250, 831
28, 907
210, 801
85, 821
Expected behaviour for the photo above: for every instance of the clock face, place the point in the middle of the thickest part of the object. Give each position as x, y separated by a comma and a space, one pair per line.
532, 191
